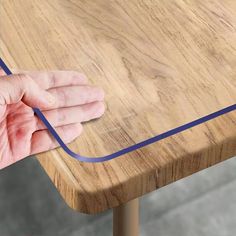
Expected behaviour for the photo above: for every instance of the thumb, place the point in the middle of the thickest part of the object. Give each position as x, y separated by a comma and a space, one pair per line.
21, 87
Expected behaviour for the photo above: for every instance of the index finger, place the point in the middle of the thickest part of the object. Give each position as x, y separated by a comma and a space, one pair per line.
53, 79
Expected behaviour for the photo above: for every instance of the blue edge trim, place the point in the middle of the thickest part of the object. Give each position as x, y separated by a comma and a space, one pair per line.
132, 147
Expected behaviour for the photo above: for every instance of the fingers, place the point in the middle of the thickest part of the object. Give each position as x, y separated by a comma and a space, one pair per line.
15, 88
52, 79
2, 72
76, 95
42, 141
71, 115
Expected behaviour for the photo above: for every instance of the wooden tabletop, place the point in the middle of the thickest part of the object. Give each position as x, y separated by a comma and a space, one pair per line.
161, 63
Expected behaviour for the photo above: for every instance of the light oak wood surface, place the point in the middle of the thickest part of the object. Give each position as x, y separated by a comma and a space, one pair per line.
161, 63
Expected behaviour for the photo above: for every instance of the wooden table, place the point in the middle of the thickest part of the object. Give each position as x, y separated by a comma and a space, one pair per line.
161, 63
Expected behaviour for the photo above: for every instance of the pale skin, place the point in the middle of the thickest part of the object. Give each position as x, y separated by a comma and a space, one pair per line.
66, 100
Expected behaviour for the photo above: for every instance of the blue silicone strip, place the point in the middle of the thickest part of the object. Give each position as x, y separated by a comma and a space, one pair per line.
132, 147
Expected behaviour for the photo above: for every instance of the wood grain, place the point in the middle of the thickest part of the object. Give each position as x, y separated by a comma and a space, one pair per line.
161, 64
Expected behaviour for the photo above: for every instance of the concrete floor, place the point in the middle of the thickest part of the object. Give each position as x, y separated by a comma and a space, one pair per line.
201, 205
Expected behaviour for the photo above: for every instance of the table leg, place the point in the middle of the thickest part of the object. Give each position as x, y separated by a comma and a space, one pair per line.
126, 219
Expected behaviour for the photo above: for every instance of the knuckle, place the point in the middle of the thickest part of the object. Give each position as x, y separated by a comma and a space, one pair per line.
25, 79
61, 117
22, 77
63, 95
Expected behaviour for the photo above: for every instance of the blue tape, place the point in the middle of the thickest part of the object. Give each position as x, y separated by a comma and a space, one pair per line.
130, 148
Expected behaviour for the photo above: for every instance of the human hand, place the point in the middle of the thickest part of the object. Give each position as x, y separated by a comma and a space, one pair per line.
64, 97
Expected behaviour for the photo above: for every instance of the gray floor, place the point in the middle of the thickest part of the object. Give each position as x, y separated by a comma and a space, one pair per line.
203, 204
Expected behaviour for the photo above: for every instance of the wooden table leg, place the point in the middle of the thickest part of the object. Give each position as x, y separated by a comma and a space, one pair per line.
126, 219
